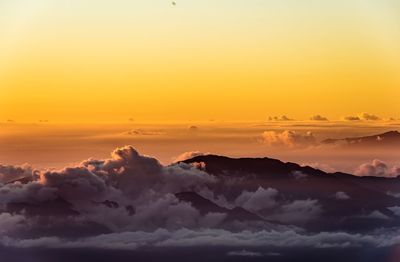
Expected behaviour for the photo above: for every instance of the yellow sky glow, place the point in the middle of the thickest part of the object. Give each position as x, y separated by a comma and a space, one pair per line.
231, 60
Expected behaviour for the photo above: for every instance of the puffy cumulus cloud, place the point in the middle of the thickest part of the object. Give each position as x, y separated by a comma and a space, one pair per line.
11, 173
369, 117
342, 196
291, 139
258, 200
318, 118
184, 177
352, 118
131, 172
377, 168
188, 155
76, 184
280, 118
128, 191
32, 192
127, 160
362, 117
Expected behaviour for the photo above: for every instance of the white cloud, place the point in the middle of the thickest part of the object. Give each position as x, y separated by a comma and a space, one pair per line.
244, 253
377, 168
298, 211
258, 200
395, 210
342, 196
291, 139
188, 155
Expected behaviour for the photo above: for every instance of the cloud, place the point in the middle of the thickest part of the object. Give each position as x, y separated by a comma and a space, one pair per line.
10, 222
76, 184
395, 210
129, 201
193, 128
126, 191
318, 118
362, 117
376, 215
377, 168
258, 200
282, 118
212, 238
369, 117
11, 173
244, 253
141, 132
298, 211
291, 139
188, 155
352, 118
32, 192
342, 196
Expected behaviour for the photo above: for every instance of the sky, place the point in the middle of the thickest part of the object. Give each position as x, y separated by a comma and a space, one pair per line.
102, 61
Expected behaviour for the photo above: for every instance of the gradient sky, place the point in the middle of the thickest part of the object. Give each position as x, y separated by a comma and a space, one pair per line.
228, 60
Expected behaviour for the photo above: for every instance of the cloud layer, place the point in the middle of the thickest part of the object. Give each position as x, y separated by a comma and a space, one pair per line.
129, 201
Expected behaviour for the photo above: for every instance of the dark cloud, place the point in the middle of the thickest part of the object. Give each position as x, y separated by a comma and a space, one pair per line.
281, 118
369, 117
352, 118
141, 132
212, 238
11, 173
362, 117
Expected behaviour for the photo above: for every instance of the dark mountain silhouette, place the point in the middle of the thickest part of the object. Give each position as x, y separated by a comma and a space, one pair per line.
388, 139
366, 194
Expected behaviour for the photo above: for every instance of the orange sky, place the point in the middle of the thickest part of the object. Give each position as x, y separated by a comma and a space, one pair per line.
85, 61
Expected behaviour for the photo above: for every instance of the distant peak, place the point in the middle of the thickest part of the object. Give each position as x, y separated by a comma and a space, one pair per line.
391, 133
